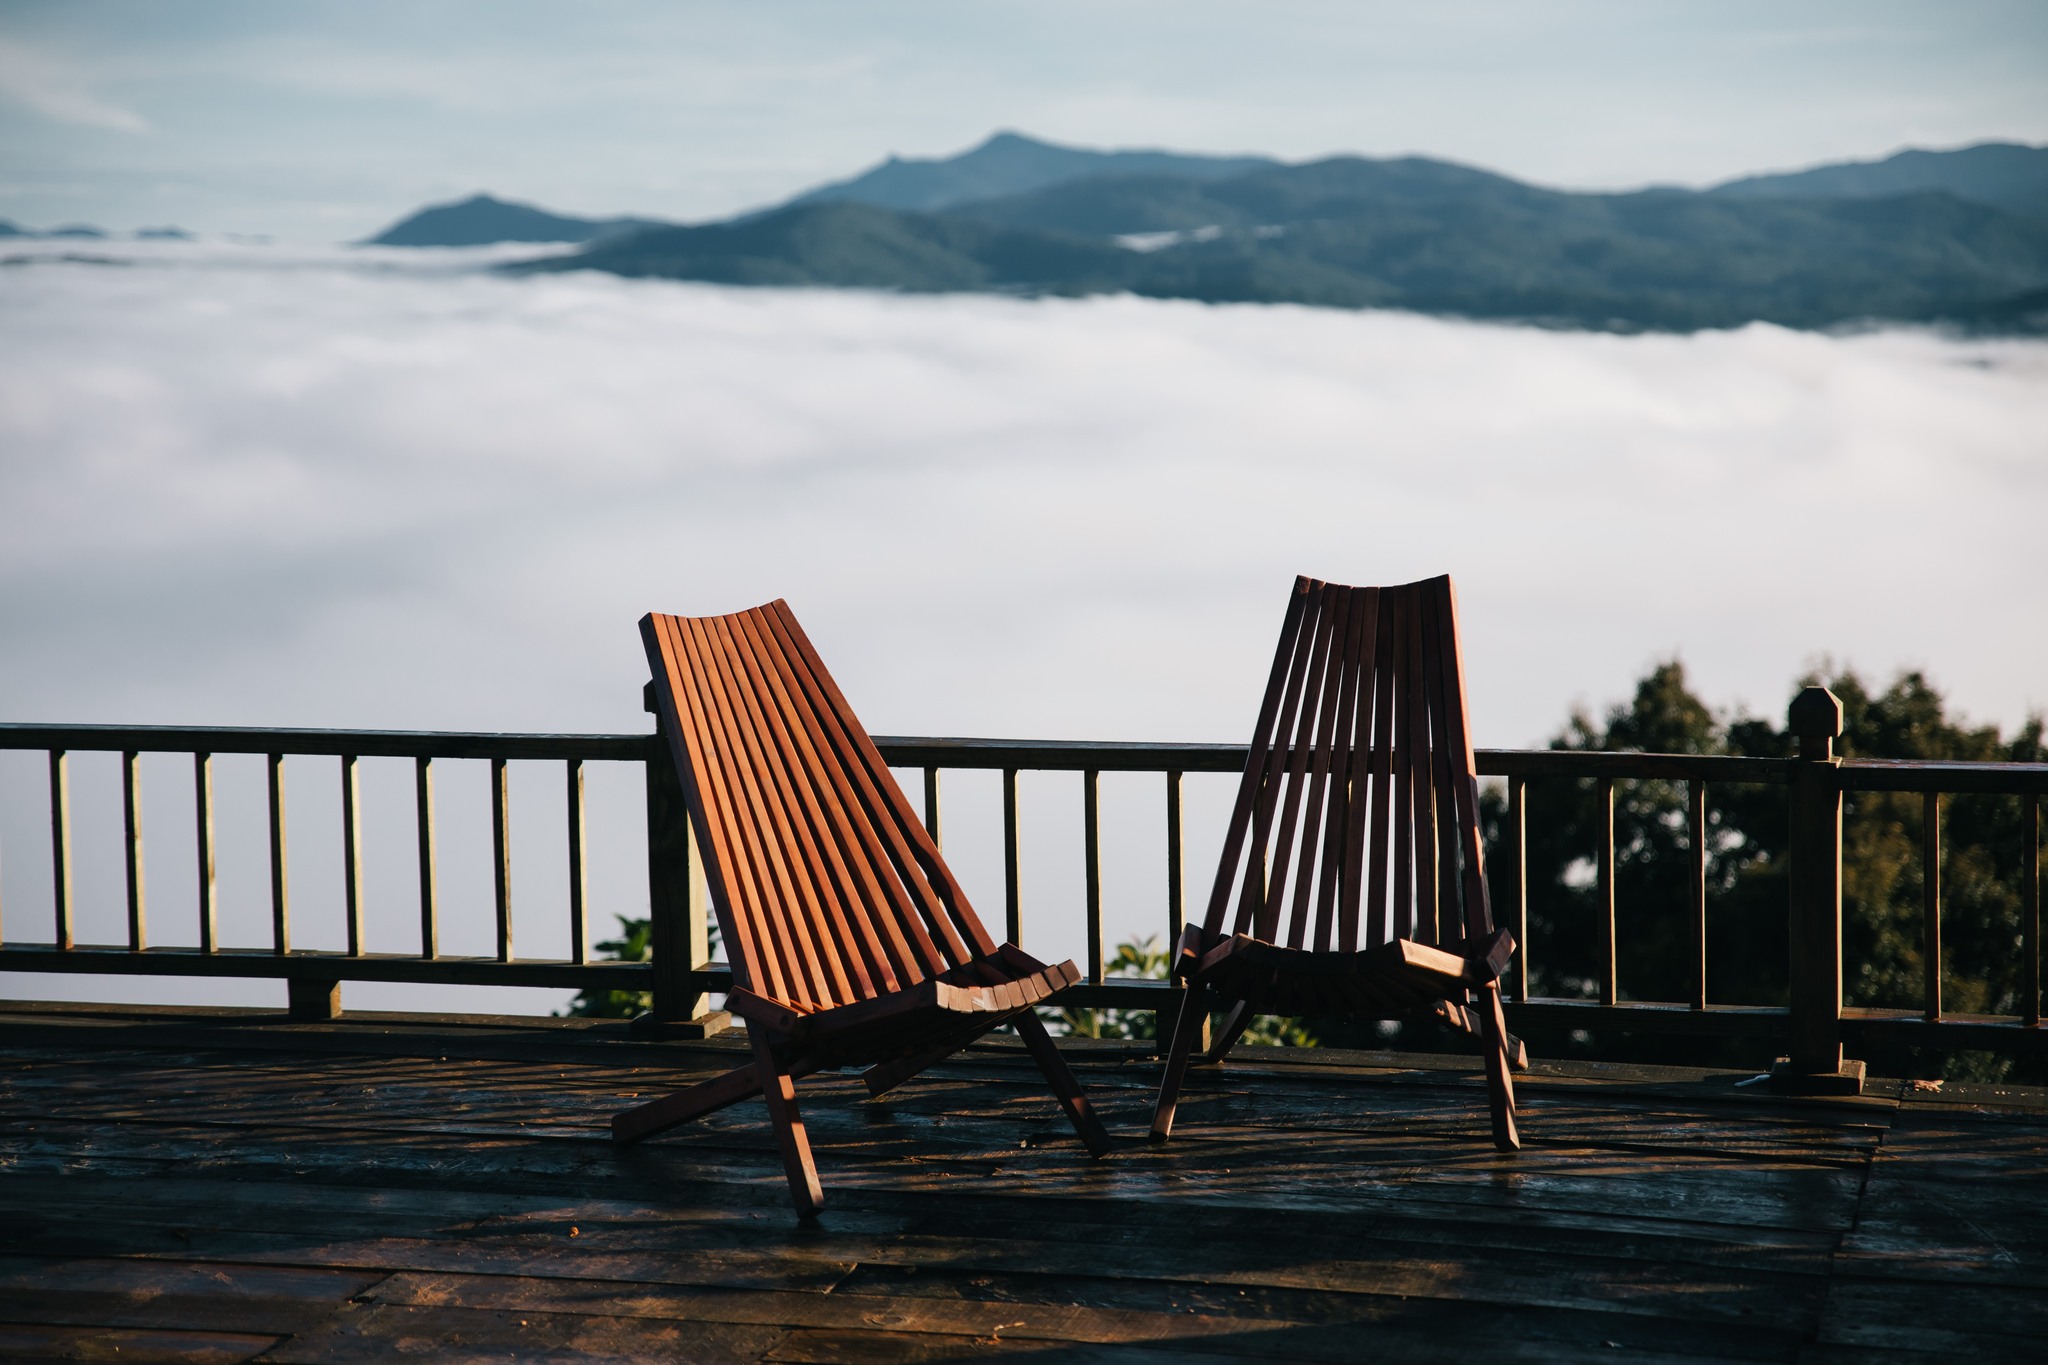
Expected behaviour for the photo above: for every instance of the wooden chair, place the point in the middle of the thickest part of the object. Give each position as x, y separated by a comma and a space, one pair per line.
850, 940
1352, 878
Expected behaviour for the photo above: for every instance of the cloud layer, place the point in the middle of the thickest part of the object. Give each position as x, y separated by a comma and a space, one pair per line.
249, 488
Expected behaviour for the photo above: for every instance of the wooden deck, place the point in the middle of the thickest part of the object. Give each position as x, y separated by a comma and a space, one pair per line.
226, 1186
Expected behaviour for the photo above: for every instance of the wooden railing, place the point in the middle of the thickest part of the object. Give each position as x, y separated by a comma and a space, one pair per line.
681, 978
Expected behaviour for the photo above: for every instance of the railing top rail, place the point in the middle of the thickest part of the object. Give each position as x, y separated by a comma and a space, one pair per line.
1913, 775
1075, 755
1630, 764
920, 752
1925, 775
237, 739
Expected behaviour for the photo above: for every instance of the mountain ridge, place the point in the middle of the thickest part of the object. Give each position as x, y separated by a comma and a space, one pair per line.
2007, 175
1406, 232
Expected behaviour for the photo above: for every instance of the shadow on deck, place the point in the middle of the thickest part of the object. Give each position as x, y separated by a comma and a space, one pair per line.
225, 1186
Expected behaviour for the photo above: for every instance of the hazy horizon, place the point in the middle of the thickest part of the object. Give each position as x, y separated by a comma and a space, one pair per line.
256, 236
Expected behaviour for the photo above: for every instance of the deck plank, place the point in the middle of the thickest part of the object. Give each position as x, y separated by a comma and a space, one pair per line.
231, 1188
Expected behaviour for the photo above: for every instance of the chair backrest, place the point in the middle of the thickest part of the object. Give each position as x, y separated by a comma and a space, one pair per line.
1358, 818
827, 887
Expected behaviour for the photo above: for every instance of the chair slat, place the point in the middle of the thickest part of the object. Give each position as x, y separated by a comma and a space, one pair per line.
1333, 687
788, 802
1255, 766
804, 958
881, 906
1377, 919
1252, 899
1301, 749
898, 907
1334, 868
763, 886
867, 941
1450, 924
727, 870
787, 823
1347, 822
1402, 835
1422, 812
942, 906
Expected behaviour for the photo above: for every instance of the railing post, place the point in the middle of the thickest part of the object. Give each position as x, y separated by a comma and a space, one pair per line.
1815, 1065
677, 904
1517, 865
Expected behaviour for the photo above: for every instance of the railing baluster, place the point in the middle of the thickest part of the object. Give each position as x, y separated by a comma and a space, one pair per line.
1930, 902
1610, 988
280, 877
579, 879
1696, 860
931, 805
1013, 882
202, 819
1091, 866
423, 807
352, 852
1518, 875
1176, 893
2030, 910
60, 843
501, 856
131, 818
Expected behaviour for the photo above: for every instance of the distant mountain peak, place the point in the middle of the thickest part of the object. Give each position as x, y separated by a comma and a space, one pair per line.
1008, 162
484, 219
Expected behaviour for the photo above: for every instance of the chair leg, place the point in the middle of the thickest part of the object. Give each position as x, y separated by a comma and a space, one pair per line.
780, 1091
1234, 1024
883, 1077
1194, 1008
706, 1097
1500, 1086
1061, 1078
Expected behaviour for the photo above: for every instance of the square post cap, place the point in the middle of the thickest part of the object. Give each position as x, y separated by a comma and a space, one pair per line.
1815, 716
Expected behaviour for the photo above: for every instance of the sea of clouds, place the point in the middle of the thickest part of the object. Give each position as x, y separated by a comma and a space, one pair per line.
246, 485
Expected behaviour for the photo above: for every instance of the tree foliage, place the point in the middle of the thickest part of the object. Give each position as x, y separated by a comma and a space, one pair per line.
1146, 959
1883, 946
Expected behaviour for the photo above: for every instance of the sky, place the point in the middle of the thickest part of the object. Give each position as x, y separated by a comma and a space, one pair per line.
323, 122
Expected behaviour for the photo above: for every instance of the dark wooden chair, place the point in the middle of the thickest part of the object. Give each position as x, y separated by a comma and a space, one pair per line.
1352, 882
851, 942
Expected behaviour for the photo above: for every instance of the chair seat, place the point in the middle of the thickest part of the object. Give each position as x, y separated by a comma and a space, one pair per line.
1388, 980
976, 996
